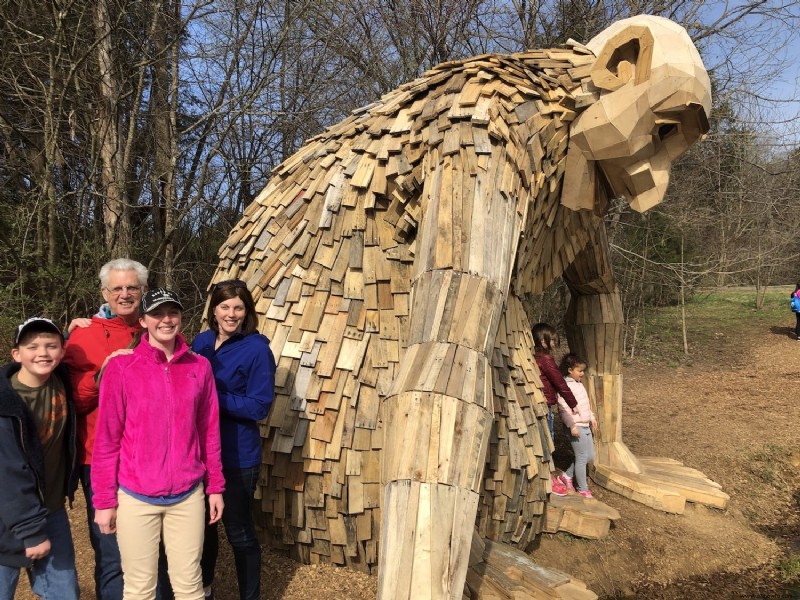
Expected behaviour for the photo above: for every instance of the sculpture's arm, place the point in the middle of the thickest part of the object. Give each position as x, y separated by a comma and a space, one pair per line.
594, 329
438, 413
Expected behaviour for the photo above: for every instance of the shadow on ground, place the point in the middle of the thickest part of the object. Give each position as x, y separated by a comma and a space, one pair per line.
786, 331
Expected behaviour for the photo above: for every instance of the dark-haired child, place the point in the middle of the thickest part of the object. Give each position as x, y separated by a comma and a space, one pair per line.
579, 424
37, 458
545, 340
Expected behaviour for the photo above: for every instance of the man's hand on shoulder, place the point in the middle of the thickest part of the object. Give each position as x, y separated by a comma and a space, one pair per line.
120, 352
81, 322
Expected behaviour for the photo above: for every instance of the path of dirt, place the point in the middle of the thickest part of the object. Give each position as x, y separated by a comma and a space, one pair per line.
733, 415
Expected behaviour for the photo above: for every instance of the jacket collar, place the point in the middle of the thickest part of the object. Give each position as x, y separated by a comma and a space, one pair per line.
156, 354
208, 338
116, 323
9, 403
234, 338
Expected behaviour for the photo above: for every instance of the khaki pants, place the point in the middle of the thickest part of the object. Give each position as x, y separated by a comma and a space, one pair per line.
140, 527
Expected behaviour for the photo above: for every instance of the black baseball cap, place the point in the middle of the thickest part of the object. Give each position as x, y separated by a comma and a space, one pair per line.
36, 324
157, 297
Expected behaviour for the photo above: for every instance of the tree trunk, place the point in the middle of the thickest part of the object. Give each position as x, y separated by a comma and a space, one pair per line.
116, 214
164, 99
683, 302
47, 212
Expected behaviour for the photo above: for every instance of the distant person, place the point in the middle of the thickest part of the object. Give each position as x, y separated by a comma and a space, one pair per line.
90, 345
545, 340
579, 426
37, 461
157, 453
244, 370
794, 303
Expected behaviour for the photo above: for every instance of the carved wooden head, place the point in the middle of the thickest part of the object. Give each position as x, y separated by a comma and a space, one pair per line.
653, 103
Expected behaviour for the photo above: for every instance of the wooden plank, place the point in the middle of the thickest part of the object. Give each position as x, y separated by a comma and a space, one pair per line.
635, 487
423, 578
397, 533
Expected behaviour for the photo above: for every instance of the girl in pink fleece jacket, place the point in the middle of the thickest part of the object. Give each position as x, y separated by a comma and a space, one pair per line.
156, 451
580, 423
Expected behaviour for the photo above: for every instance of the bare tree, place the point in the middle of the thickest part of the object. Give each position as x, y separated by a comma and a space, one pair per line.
145, 127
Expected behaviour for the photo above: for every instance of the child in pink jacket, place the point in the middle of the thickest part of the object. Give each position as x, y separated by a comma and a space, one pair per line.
580, 423
157, 453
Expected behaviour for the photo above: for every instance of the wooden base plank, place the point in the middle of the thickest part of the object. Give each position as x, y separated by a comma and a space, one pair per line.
663, 483
510, 573
582, 517
691, 483
637, 487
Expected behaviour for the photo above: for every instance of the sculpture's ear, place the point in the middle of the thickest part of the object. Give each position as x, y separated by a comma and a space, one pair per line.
627, 55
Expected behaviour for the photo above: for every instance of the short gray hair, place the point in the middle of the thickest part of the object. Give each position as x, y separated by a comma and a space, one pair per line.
123, 264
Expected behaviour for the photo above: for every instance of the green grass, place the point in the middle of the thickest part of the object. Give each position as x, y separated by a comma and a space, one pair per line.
790, 568
715, 319
770, 465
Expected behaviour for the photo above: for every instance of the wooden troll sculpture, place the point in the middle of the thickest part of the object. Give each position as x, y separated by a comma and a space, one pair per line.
388, 257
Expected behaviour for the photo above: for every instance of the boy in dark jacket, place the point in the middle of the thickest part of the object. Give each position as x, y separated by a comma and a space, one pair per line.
38, 466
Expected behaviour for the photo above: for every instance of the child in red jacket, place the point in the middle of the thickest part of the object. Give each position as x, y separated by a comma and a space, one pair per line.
545, 339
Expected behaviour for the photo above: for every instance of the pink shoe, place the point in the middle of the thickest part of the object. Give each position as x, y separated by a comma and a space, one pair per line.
567, 481
557, 487
586, 494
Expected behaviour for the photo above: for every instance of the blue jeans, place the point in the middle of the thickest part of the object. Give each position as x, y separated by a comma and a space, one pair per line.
238, 521
52, 577
550, 418
107, 563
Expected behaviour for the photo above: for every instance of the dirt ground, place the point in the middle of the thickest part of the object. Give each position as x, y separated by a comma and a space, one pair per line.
732, 414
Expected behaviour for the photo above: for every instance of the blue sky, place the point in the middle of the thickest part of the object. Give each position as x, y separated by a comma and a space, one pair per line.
758, 56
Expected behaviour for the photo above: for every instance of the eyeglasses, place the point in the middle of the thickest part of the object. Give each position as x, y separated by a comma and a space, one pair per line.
230, 283
130, 289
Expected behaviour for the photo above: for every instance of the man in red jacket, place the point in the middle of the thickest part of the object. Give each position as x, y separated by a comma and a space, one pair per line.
122, 283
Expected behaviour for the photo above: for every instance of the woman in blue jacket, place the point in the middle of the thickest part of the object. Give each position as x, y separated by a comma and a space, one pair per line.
244, 370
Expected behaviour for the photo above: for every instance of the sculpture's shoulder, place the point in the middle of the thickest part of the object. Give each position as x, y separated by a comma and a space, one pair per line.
465, 89
375, 161
493, 94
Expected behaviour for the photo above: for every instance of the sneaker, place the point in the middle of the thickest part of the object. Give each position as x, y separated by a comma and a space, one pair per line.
557, 487
567, 481
586, 494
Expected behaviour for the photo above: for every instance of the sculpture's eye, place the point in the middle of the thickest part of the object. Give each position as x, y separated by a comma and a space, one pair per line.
666, 129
